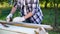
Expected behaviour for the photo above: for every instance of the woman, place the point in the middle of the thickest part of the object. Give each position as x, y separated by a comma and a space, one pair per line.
30, 11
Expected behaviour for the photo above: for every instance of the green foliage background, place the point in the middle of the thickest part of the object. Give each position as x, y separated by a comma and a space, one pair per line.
49, 7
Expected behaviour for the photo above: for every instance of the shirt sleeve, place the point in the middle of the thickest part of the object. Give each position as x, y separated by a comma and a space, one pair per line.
15, 4
34, 6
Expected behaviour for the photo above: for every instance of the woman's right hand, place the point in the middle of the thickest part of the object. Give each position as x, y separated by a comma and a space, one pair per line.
8, 18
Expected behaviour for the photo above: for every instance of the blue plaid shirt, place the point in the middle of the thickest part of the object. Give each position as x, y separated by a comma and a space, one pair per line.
27, 6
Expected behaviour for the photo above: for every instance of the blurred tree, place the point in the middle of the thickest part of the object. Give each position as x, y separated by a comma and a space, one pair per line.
46, 1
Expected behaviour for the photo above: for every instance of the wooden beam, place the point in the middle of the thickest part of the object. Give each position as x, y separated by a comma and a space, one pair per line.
30, 25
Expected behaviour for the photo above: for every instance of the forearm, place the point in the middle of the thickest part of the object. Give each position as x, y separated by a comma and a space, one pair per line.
13, 10
28, 15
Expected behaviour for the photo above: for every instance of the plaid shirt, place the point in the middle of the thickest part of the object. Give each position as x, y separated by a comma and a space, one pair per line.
27, 6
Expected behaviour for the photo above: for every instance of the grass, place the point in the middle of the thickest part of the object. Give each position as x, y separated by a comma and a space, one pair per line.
48, 16
5, 11
54, 32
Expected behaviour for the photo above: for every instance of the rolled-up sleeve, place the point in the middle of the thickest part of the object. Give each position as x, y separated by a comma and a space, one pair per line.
15, 4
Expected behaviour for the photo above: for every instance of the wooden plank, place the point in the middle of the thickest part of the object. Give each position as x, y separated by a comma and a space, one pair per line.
30, 25
4, 31
18, 29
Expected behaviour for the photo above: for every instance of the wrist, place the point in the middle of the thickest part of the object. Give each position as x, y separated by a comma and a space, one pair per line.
10, 14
